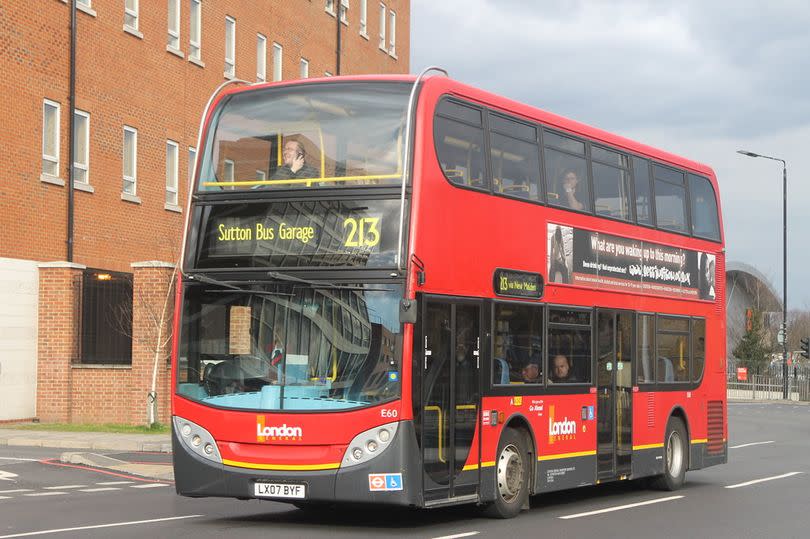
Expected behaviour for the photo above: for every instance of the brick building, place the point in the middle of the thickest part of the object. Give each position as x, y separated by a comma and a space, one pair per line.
81, 337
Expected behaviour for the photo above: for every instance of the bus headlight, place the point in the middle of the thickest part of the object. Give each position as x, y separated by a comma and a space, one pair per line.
369, 444
196, 439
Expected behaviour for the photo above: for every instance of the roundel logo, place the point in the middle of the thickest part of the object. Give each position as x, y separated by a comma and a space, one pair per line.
376, 482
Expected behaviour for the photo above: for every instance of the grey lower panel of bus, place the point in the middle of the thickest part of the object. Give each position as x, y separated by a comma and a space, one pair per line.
564, 473
197, 477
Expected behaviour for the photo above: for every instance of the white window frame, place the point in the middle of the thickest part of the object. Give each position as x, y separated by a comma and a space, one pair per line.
172, 176
343, 9
364, 18
195, 27
382, 27
261, 58
278, 54
327, 74
304, 68
261, 175
133, 14
192, 156
329, 7
228, 170
230, 43
82, 162
173, 26
392, 33
53, 136
131, 178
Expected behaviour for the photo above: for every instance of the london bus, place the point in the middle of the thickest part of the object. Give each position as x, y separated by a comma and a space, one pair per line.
408, 291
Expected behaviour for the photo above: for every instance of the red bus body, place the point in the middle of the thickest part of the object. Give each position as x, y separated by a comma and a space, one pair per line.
456, 240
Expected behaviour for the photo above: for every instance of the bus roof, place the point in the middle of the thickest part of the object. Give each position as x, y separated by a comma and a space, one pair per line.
437, 85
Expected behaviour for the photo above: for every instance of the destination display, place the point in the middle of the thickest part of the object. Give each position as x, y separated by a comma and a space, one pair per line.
518, 284
603, 261
302, 233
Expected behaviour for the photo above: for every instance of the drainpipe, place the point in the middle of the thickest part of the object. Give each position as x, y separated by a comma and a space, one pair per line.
71, 142
337, 51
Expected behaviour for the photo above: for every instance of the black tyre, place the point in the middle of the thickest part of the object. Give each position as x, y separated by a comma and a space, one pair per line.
512, 469
676, 457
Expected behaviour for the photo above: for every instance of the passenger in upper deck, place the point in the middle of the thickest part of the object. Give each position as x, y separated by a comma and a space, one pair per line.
295, 165
569, 184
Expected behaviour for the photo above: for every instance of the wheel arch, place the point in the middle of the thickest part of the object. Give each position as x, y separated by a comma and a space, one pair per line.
519, 421
680, 413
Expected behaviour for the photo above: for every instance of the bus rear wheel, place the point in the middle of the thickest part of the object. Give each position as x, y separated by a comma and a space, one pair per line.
511, 476
676, 455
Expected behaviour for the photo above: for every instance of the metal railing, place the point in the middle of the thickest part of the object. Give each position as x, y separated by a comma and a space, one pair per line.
769, 386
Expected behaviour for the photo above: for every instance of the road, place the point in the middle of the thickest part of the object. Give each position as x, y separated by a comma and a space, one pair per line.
769, 441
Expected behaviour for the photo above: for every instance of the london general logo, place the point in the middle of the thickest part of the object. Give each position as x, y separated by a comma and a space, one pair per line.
282, 432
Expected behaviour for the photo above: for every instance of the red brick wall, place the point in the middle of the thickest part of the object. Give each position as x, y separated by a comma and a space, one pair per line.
124, 80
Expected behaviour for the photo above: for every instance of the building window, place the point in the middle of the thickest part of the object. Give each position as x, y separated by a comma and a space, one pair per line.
50, 138
382, 26
392, 33
195, 30
304, 68
130, 160
329, 7
344, 9
277, 50
106, 330
364, 18
192, 157
85, 3
81, 147
327, 74
228, 170
261, 175
261, 58
131, 14
172, 153
230, 47
173, 39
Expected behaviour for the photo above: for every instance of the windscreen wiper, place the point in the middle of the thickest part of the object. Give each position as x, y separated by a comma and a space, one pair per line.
231, 288
314, 284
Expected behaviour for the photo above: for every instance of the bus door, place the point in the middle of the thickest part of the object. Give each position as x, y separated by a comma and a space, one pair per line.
614, 393
450, 396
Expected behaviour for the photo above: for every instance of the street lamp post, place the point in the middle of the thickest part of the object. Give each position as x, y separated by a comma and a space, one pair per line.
784, 266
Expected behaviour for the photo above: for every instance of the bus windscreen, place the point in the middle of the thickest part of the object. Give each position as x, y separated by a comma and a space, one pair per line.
307, 136
291, 347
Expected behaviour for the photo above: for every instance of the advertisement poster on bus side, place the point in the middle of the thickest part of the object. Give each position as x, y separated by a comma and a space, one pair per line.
608, 262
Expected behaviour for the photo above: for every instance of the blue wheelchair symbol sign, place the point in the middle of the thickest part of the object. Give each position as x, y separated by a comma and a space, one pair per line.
393, 481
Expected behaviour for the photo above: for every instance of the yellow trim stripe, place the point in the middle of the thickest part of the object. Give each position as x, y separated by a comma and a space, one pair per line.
701, 441
302, 180
282, 467
567, 455
487, 464
648, 446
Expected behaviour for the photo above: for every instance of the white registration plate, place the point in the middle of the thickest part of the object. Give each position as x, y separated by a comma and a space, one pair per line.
280, 490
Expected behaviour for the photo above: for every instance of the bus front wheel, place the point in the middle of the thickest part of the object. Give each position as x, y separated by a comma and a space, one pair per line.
512, 476
676, 455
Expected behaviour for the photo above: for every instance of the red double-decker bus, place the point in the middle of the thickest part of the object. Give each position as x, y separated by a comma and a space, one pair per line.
408, 291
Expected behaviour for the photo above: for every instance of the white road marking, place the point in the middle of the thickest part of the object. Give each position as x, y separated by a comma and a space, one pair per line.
752, 443
20, 459
620, 507
116, 483
102, 489
13, 491
150, 485
5, 497
755, 481
456, 536
51, 493
7, 476
132, 523
64, 486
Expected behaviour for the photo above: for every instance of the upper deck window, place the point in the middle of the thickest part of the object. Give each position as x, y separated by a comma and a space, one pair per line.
566, 172
704, 208
611, 183
308, 136
670, 199
515, 162
459, 139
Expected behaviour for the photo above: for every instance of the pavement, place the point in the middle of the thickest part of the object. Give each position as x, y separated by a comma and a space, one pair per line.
87, 447
98, 441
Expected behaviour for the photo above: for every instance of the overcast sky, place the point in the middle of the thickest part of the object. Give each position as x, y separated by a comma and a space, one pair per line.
698, 78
